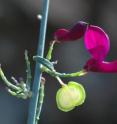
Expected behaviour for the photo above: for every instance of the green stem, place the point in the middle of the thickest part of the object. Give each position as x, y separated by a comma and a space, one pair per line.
65, 75
9, 84
28, 71
49, 54
40, 101
60, 81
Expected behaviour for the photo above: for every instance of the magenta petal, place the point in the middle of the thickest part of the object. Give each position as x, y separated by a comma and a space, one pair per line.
61, 35
91, 65
76, 32
101, 66
97, 42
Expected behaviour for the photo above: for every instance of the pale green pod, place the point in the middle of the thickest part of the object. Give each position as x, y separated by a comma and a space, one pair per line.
70, 96
81, 95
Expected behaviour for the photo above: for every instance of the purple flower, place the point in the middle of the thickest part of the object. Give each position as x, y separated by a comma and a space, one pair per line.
96, 42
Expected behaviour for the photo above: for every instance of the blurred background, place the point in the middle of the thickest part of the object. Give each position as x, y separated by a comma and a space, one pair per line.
19, 31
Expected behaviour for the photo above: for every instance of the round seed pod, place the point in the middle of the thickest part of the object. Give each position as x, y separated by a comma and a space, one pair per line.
70, 96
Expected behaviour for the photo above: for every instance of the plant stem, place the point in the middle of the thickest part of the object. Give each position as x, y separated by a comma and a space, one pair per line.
38, 74
9, 84
41, 99
49, 54
28, 71
65, 75
60, 81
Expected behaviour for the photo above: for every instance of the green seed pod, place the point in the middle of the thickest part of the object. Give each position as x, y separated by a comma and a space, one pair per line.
70, 96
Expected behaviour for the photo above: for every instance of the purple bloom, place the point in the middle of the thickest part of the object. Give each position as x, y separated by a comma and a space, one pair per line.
97, 43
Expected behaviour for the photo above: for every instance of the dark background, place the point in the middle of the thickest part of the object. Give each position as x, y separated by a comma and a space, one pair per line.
19, 31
